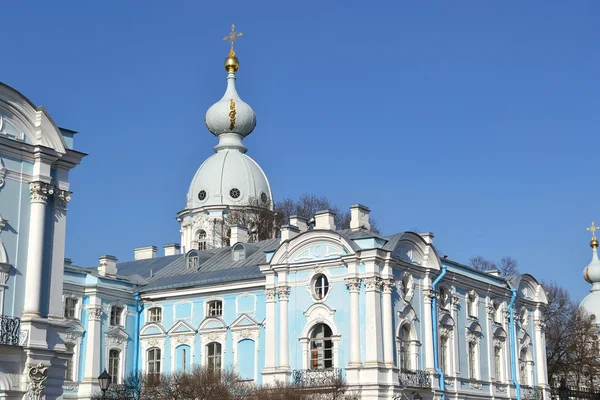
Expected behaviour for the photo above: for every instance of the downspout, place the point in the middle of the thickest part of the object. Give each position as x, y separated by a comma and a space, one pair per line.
513, 364
136, 352
435, 340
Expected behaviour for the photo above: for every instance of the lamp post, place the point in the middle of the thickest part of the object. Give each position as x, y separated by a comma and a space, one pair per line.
104, 381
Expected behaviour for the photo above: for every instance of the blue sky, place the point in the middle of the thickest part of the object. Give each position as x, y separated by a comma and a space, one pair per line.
476, 120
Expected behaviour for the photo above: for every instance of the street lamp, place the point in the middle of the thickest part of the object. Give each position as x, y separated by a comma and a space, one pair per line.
104, 381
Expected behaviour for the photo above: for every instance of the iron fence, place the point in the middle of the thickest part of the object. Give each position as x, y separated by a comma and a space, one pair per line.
420, 379
572, 393
316, 377
10, 328
531, 393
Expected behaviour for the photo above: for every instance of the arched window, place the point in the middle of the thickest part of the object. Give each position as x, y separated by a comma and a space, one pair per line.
239, 252
184, 358
201, 237
444, 354
405, 353
320, 286
154, 355
114, 359
215, 308
321, 347
193, 260
213, 356
155, 314
524, 375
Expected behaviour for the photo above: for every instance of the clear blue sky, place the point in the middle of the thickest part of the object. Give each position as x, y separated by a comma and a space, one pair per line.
476, 120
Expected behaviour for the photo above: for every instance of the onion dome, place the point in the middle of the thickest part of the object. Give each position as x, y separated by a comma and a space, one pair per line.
591, 273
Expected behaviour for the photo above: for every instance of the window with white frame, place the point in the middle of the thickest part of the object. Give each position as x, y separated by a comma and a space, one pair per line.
193, 260
215, 308
320, 286
498, 363
115, 315
405, 353
153, 360
201, 236
69, 372
213, 356
155, 314
239, 252
444, 354
70, 308
184, 358
472, 304
321, 347
472, 353
114, 360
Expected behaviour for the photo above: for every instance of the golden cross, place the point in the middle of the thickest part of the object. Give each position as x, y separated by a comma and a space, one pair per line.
593, 229
232, 37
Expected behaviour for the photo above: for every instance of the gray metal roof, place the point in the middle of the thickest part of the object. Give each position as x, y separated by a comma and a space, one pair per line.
145, 267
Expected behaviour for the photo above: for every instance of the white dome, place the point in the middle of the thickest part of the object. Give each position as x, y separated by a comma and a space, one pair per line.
229, 177
230, 114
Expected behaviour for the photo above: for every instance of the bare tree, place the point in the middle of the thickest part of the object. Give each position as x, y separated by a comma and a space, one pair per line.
507, 266
257, 216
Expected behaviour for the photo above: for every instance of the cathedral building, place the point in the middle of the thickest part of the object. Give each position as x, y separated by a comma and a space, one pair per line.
385, 312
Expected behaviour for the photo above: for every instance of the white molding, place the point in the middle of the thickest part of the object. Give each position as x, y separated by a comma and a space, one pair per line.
116, 339
183, 301
237, 308
243, 332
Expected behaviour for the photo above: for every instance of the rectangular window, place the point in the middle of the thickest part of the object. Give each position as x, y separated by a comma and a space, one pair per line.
115, 315
154, 356
215, 308
70, 308
213, 356
113, 365
155, 314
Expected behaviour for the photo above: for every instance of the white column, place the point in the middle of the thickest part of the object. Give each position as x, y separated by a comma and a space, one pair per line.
283, 293
33, 285
353, 285
388, 325
61, 198
374, 345
540, 351
270, 329
427, 295
94, 341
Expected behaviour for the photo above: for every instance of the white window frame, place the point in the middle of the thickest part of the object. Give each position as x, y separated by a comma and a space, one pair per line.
238, 252
207, 356
120, 315
149, 316
320, 281
78, 306
312, 340
160, 360
218, 302
110, 365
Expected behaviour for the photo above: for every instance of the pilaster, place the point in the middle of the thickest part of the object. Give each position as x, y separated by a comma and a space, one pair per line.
93, 345
270, 330
354, 285
374, 347
283, 293
427, 316
387, 322
61, 198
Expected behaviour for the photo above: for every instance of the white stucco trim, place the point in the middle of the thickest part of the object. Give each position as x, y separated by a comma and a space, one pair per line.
242, 332
116, 339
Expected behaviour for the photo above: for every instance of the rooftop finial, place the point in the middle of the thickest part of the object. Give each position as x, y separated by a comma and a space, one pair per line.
232, 37
232, 64
593, 229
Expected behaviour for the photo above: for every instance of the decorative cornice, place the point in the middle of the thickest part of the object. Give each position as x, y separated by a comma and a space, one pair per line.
353, 284
37, 376
61, 198
39, 191
283, 292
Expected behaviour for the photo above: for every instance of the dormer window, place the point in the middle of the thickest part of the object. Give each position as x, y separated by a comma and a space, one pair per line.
193, 260
201, 236
239, 252
215, 308
155, 314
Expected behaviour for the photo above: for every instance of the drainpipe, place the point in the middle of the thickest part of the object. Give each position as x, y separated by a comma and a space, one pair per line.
136, 352
513, 364
435, 335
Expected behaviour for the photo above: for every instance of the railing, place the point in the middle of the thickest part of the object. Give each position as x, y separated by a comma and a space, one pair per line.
414, 378
316, 377
9, 330
531, 393
568, 392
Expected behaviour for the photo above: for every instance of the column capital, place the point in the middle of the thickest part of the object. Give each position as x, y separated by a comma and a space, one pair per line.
61, 198
540, 325
270, 295
353, 284
95, 313
39, 191
388, 285
373, 283
283, 292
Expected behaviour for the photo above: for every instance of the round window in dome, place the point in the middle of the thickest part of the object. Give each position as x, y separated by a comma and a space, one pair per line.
264, 198
202, 195
234, 193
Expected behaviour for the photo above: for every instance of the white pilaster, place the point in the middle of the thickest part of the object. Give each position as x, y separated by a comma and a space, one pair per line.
427, 295
283, 293
94, 338
61, 198
540, 351
353, 285
33, 286
270, 330
387, 322
374, 347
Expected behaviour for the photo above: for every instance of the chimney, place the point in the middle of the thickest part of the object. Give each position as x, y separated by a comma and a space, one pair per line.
359, 217
142, 253
325, 220
172, 249
108, 265
239, 233
427, 237
289, 232
299, 222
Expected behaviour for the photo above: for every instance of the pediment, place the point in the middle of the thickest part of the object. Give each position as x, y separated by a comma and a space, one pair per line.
152, 329
117, 332
212, 323
321, 250
408, 253
181, 327
244, 321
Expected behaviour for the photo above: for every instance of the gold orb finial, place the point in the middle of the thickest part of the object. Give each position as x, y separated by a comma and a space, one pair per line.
232, 64
594, 241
